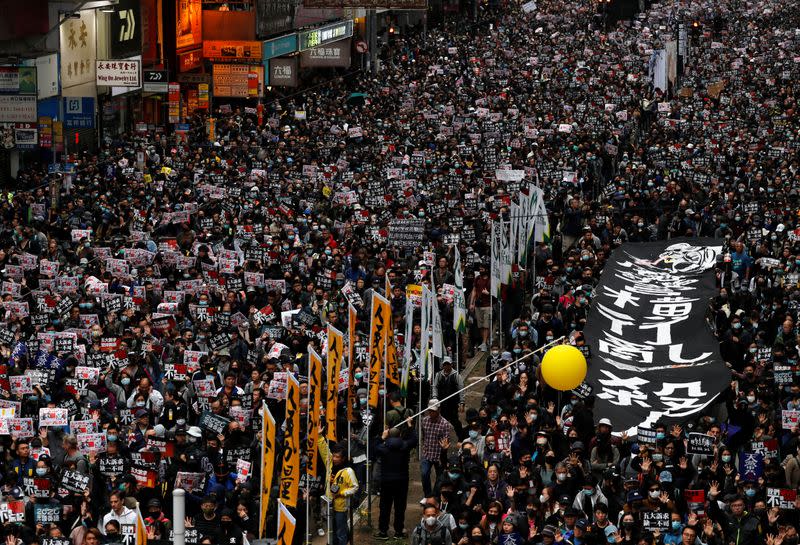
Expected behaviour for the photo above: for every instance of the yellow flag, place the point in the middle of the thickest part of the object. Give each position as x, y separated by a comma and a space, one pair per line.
314, 394
286, 524
141, 529
267, 461
335, 348
378, 335
351, 358
290, 466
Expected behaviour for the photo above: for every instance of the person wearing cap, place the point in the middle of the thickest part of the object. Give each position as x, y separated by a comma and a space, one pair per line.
436, 433
156, 518
448, 384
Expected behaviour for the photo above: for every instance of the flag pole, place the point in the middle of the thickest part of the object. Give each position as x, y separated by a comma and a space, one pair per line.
308, 477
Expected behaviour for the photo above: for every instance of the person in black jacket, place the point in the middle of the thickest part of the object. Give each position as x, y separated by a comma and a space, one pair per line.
393, 452
739, 526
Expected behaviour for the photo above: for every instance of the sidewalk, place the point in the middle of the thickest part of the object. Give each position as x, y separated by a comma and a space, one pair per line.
362, 534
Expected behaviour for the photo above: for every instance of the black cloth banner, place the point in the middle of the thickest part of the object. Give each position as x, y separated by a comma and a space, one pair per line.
653, 355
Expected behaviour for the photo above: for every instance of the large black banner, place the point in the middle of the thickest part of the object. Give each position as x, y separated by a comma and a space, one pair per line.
653, 355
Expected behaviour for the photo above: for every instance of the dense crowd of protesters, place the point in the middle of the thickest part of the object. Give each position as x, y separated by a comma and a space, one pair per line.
176, 280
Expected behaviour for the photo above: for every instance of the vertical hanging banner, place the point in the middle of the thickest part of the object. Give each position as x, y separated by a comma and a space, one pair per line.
335, 352
654, 356
378, 334
286, 525
459, 304
314, 391
174, 102
392, 364
496, 259
290, 465
351, 357
267, 462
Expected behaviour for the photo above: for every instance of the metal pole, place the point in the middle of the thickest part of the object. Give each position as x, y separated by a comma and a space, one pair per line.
465, 388
369, 491
179, 516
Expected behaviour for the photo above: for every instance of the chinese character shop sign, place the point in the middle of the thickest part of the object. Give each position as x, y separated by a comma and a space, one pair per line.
78, 49
125, 73
653, 355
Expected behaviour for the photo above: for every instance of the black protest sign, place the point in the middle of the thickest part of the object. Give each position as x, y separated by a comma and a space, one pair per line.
111, 465
672, 367
232, 455
583, 390
700, 443
781, 497
656, 520
74, 481
646, 436
44, 514
406, 233
214, 423
219, 341
55, 541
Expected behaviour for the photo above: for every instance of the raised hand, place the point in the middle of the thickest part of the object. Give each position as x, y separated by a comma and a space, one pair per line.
772, 515
683, 463
713, 490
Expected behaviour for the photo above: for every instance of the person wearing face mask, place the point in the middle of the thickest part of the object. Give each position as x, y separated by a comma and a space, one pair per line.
230, 532
430, 531
589, 496
207, 522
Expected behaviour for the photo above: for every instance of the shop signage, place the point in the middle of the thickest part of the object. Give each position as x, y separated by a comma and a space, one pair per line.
190, 60
324, 35
238, 80
18, 80
283, 72
46, 132
15, 109
126, 29
188, 23
336, 54
227, 50
26, 135
156, 81
279, 46
78, 49
79, 112
125, 73
174, 103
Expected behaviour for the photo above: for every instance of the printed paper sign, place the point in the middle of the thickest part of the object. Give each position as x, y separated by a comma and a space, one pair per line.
53, 417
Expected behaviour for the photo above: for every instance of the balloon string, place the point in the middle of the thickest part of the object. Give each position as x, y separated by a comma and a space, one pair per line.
467, 387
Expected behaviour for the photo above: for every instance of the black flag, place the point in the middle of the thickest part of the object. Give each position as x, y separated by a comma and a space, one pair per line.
654, 356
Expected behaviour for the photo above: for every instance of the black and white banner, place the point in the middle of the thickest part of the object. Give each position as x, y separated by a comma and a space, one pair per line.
654, 357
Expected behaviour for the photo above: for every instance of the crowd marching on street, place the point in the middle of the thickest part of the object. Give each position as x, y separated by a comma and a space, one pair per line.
260, 316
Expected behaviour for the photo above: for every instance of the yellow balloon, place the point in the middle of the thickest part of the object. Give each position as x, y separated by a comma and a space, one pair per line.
563, 367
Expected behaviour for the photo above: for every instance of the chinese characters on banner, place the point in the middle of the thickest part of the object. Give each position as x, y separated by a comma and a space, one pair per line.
335, 348
653, 358
378, 335
314, 391
267, 461
290, 466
